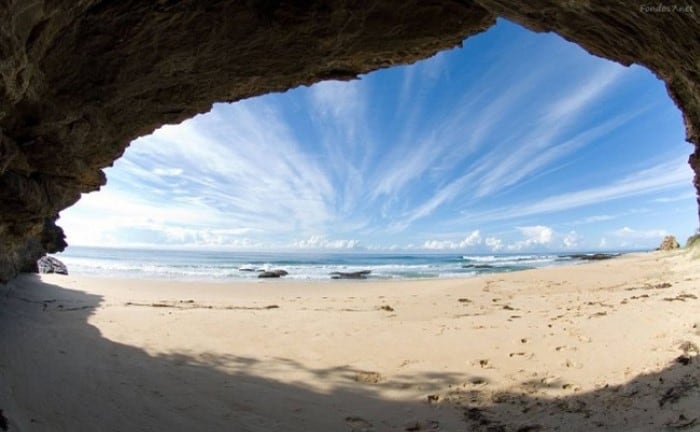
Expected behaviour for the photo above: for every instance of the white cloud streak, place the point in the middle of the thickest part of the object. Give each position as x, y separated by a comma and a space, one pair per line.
653, 179
471, 240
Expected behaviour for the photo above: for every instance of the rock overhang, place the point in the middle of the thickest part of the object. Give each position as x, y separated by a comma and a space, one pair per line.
80, 80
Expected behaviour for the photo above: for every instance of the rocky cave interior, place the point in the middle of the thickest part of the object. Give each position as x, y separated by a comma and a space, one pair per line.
81, 80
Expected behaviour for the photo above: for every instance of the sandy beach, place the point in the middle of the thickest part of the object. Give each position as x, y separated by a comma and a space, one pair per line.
607, 346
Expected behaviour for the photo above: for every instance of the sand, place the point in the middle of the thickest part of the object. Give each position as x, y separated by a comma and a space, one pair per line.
606, 346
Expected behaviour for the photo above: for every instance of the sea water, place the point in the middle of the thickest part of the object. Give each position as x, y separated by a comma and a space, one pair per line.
225, 266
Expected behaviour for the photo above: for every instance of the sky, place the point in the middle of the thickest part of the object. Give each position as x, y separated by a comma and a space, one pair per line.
514, 142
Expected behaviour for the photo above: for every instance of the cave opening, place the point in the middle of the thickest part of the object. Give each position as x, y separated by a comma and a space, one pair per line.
492, 147
610, 345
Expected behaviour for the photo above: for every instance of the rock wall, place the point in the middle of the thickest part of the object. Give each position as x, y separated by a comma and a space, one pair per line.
81, 78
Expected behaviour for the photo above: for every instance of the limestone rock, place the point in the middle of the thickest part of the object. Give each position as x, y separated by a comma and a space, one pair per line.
80, 79
48, 264
668, 243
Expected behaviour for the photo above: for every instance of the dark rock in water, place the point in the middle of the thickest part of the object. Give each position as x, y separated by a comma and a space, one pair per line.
477, 266
47, 264
591, 257
273, 274
668, 243
362, 274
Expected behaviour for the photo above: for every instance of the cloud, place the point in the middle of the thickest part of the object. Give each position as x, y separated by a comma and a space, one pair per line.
238, 168
494, 244
597, 218
544, 141
320, 242
688, 196
571, 240
472, 239
537, 235
167, 172
632, 234
669, 174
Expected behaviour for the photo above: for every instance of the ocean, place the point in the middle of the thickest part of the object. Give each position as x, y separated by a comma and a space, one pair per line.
225, 266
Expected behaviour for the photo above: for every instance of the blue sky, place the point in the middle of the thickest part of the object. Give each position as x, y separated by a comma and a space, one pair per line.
515, 142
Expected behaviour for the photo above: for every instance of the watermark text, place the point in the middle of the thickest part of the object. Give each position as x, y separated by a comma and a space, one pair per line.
667, 8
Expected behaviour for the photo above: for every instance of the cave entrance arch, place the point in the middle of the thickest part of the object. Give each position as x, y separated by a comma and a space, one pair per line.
80, 81
455, 151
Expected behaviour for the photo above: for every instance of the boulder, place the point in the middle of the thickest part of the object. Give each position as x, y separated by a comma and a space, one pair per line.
362, 274
273, 273
47, 264
592, 257
668, 243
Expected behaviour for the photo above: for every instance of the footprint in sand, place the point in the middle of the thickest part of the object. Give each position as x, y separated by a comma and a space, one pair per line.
572, 364
358, 424
484, 364
366, 377
430, 425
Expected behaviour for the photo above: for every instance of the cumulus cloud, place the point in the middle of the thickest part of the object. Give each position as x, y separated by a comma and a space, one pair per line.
538, 235
472, 239
571, 240
493, 243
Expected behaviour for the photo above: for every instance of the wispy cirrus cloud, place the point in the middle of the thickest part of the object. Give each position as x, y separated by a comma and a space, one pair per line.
547, 141
655, 178
466, 139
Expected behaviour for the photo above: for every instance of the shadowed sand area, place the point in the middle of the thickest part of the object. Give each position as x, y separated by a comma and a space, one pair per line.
605, 346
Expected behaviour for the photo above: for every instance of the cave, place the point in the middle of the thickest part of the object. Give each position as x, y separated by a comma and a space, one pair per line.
82, 80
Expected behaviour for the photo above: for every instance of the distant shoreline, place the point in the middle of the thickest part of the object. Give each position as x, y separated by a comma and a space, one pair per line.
222, 267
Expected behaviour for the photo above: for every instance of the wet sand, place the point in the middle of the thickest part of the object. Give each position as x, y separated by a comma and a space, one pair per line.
608, 346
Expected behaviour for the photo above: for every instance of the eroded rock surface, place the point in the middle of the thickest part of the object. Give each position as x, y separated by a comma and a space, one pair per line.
668, 243
49, 264
80, 79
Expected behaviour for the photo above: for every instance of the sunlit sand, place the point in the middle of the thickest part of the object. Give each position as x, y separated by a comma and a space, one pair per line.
606, 346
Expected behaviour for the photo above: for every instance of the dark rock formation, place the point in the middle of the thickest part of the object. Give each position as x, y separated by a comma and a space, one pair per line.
272, 273
362, 274
592, 257
668, 243
80, 80
48, 264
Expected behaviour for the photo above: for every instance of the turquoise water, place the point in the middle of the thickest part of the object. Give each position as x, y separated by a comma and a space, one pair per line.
225, 266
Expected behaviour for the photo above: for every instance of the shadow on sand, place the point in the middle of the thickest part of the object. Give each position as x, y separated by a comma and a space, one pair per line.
68, 377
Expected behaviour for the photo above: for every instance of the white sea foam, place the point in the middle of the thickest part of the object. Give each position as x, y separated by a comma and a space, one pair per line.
225, 266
